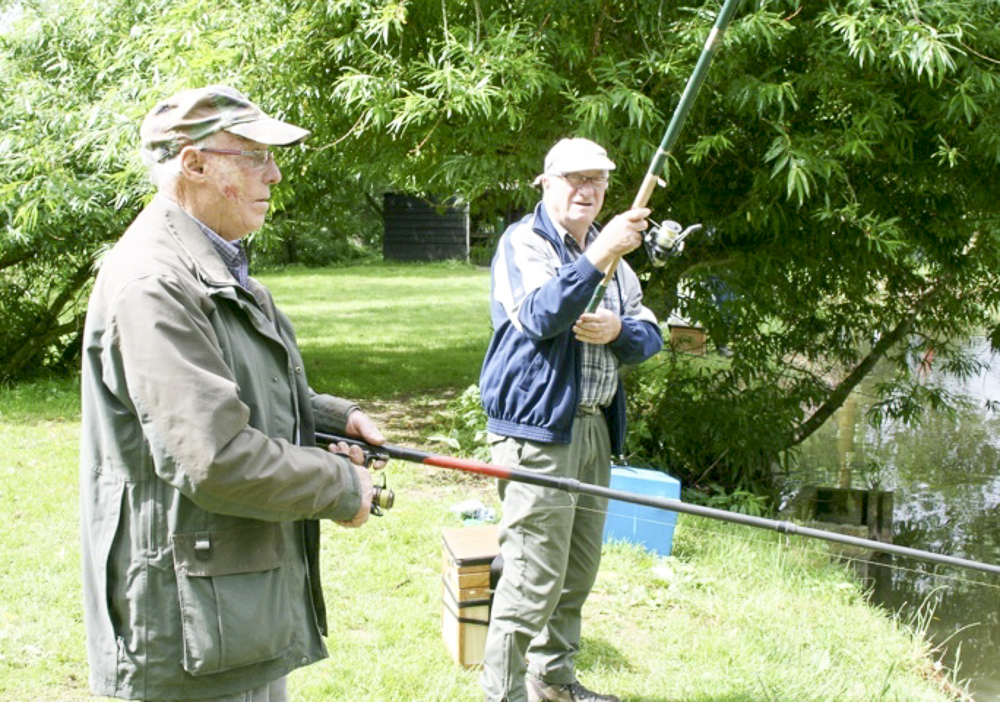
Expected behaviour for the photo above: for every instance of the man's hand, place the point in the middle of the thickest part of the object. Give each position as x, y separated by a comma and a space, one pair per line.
360, 426
619, 236
600, 327
357, 457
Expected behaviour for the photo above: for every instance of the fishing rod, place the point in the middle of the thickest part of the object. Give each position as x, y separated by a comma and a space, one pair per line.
663, 236
571, 485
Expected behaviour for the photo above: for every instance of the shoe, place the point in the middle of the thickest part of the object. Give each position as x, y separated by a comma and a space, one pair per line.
539, 691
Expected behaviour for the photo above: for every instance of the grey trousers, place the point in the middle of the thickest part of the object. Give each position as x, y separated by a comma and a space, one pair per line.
551, 545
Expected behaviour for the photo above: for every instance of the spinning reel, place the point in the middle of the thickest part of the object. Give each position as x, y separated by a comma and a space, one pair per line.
664, 241
383, 498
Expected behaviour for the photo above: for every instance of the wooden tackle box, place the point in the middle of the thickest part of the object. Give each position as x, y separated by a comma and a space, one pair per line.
468, 554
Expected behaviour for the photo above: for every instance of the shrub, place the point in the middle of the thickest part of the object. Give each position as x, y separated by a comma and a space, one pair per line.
466, 426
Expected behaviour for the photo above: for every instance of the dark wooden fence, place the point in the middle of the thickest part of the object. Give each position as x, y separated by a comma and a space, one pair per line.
418, 230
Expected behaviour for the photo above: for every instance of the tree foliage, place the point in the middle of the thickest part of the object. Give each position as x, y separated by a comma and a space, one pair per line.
841, 154
855, 220
75, 85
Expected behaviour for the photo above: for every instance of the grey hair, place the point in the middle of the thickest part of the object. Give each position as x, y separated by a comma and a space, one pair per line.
165, 174
162, 174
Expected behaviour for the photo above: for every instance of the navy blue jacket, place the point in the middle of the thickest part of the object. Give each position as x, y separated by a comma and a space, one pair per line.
529, 382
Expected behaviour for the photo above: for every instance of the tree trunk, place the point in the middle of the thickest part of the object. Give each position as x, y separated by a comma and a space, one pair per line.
854, 378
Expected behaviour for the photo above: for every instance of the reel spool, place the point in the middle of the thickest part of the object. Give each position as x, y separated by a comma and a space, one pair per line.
382, 498
663, 241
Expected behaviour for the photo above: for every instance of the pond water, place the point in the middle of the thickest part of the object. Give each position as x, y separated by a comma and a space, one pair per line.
945, 476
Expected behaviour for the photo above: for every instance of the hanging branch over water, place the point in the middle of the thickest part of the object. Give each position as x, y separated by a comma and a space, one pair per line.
886, 342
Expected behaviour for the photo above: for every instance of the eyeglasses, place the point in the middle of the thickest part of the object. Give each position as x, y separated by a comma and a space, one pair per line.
578, 180
260, 157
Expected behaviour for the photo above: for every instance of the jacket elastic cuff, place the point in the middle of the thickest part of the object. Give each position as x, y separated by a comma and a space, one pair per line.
331, 413
587, 269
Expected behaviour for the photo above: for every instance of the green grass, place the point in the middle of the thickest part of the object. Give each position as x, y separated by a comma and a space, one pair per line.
736, 614
41, 622
388, 329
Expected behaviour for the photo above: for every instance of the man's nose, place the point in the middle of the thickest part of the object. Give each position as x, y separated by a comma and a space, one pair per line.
272, 174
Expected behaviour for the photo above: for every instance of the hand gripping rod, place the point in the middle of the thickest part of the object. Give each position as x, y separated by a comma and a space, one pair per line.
570, 485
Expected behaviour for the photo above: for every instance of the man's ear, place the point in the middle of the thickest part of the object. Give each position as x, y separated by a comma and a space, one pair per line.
192, 163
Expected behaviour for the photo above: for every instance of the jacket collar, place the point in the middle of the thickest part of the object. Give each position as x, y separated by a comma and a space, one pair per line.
188, 235
544, 226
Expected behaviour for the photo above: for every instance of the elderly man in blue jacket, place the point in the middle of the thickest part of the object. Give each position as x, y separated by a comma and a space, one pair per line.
553, 396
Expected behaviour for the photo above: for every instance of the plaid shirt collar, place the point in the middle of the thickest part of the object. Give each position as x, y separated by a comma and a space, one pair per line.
233, 254
598, 365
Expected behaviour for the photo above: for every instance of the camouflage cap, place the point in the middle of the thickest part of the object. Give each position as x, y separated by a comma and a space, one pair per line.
192, 115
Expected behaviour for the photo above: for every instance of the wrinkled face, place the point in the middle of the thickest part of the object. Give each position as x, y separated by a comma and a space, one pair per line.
575, 208
236, 193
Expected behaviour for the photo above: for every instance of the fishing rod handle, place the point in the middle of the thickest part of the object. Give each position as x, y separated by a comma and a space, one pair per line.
382, 451
595, 299
383, 497
645, 192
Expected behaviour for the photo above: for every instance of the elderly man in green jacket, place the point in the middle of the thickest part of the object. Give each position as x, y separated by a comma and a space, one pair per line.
200, 481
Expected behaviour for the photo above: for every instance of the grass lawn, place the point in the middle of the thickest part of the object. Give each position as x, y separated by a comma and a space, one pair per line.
734, 614
390, 329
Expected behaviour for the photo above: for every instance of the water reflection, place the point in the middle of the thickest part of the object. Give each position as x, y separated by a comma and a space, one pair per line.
946, 480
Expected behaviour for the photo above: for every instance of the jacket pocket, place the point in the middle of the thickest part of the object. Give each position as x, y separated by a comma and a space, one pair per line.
530, 378
236, 607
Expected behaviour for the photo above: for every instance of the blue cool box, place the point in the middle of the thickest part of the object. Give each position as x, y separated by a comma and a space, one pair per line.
646, 526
